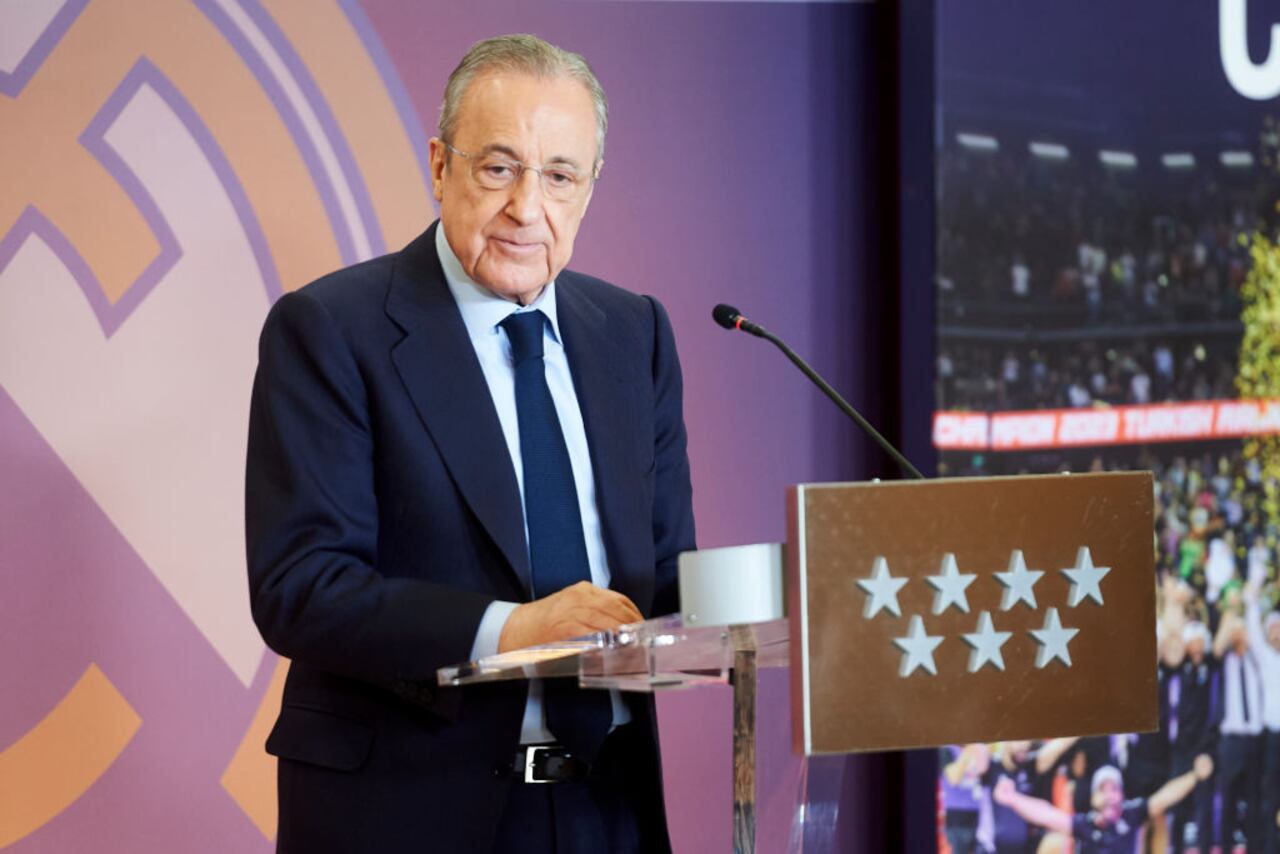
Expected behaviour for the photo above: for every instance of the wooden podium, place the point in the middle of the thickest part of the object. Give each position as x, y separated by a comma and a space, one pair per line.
919, 613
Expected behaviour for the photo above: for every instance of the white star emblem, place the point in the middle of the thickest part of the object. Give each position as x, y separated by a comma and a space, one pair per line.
1085, 577
950, 585
986, 643
883, 589
1053, 640
918, 648
1018, 582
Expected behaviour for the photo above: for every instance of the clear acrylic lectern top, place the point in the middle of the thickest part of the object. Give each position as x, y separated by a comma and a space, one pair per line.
649, 656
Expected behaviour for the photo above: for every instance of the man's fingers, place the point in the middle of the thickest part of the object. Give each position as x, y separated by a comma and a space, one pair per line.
574, 630
633, 613
578, 609
595, 619
586, 594
620, 612
620, 605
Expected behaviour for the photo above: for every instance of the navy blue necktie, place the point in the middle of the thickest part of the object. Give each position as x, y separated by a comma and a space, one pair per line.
1246, 661
557, 549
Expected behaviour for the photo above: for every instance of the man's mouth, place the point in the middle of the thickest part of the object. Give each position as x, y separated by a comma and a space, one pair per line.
517, 248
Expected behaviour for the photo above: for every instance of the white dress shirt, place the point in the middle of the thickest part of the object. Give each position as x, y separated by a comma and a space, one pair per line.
1234, 719
1268, 659
482, 313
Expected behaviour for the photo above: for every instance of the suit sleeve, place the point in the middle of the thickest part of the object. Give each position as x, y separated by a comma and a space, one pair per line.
312, 519
673, 530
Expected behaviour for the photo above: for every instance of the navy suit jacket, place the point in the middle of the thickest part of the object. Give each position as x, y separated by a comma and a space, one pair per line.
383, 516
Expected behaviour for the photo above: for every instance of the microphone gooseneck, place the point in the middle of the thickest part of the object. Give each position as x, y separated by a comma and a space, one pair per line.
730, 318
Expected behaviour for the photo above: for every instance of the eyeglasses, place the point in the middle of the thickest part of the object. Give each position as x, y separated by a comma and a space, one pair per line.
495, 172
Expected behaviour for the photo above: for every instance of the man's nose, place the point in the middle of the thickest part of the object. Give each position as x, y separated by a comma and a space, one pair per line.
525, 204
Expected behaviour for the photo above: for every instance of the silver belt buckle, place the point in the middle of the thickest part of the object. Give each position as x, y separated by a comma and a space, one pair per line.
530, 756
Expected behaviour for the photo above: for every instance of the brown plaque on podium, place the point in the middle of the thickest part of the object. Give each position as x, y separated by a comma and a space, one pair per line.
972, 609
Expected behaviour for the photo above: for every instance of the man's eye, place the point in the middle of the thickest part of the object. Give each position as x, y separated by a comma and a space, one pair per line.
560, 178
498, 170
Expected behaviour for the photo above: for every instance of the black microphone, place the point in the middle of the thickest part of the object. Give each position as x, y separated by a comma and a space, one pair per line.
730, 318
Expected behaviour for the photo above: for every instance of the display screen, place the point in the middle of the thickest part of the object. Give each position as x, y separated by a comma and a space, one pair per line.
1108, 298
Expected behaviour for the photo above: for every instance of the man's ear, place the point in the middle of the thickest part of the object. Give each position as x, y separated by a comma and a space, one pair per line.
437, 155
592, 188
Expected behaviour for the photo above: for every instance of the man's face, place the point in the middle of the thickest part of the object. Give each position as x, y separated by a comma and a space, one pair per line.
516, 240
1017, 750
1239, 636
1195, 649
1108, 800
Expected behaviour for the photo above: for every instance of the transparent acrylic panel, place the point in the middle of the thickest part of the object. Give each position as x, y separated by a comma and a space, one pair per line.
665, 653
797, 799
791, 802
535, 662
649, 656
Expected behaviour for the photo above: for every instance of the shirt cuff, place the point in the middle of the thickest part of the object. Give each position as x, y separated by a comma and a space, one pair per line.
490, 630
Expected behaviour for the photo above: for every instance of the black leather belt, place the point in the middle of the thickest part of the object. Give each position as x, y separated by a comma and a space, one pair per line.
548, 763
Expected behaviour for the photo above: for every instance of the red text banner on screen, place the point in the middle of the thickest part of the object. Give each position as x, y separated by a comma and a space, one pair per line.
1118, 425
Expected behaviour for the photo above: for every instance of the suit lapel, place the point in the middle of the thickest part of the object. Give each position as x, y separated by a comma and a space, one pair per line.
442, 375
596, 358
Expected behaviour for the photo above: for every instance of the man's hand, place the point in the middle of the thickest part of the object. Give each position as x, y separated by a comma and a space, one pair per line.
576, 610
1004, 791
1203, 766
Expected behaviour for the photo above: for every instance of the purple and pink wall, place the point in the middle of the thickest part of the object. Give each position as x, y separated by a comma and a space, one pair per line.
171, 168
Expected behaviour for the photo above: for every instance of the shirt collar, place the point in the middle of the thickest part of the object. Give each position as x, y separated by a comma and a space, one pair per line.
482, 310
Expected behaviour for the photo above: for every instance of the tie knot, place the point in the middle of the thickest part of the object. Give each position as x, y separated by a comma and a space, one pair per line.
524, 331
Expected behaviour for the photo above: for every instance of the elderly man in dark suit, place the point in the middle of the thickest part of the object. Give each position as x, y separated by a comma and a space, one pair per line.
459, 449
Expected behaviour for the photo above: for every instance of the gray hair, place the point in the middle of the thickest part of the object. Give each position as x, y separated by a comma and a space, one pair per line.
1105, 774
529, 55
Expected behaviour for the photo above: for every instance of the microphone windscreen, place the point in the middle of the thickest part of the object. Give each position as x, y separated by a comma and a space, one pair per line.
726, 315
